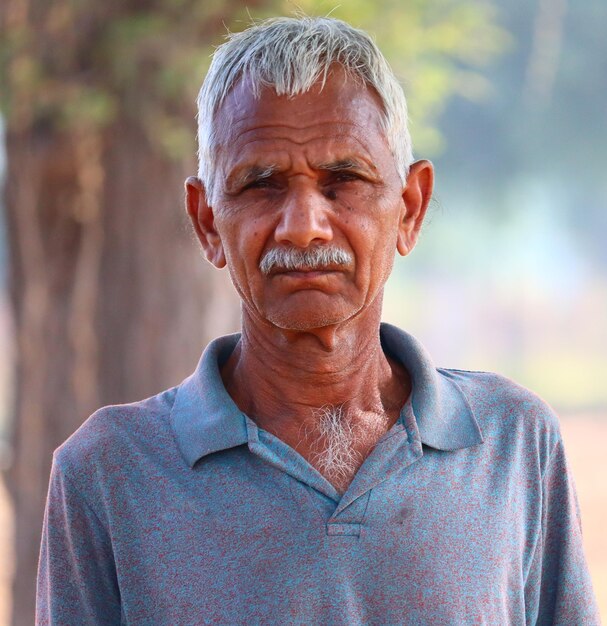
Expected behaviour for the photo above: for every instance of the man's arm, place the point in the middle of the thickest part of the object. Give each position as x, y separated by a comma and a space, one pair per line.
76, 577
559, 588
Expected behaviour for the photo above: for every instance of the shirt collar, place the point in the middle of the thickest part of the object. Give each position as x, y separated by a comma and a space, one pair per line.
443, 415
205, 419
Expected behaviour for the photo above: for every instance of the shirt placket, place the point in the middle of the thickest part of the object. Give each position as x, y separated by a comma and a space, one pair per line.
395, 450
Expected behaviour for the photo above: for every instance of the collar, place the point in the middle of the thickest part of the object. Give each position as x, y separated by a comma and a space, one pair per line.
205, 419
444, 418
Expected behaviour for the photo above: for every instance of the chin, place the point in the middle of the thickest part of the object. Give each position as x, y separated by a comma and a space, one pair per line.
307, 320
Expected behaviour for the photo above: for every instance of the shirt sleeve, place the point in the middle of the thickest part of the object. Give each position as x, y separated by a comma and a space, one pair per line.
77, 582
562, 588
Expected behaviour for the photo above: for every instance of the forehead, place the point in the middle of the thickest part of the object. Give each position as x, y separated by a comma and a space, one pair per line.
339, 119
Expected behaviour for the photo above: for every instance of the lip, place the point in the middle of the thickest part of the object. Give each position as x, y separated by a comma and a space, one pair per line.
305, 274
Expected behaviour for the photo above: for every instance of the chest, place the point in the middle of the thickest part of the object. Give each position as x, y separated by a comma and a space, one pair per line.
336, 447
249, 536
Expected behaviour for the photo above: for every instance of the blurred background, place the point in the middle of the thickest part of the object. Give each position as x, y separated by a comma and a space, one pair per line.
105, 298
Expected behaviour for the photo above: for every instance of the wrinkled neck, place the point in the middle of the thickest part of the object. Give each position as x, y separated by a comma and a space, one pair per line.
282, 379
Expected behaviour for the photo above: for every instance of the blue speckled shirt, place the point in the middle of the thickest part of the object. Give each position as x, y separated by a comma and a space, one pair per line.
179, 510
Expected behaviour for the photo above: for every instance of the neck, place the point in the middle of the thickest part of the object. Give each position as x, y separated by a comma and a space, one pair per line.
284, 379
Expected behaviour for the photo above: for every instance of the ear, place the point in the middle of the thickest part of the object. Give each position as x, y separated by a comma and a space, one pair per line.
416, 197
203, 221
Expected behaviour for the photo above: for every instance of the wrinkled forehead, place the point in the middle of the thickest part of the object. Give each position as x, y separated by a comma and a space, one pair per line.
338, 119
339, 96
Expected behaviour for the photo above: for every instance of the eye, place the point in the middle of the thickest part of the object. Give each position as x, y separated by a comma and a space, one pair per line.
336, 180
260, 183
345, 177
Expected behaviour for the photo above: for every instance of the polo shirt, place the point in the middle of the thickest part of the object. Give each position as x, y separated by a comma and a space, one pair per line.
179, 510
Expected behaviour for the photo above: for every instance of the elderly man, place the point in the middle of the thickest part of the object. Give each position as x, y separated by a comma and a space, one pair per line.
317, 468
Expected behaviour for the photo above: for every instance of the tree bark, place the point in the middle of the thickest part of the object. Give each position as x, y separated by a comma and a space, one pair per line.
112, 300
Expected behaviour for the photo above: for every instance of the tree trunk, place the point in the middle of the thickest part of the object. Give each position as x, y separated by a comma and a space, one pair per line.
112, 300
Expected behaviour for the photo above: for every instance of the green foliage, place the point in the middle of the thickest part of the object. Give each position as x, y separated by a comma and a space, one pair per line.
87, 106
83, 62
437, 49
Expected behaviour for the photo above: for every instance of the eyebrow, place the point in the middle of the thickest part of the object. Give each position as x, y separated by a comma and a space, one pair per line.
242, 177
341, 165
246, 175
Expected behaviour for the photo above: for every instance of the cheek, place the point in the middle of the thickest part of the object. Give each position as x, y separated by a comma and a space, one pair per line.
244, 246
375, 249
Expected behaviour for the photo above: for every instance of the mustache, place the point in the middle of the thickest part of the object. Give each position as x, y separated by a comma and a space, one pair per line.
293, 259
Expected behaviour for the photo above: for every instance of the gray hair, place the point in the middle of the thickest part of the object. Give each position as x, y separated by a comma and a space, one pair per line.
314, 258
290, 55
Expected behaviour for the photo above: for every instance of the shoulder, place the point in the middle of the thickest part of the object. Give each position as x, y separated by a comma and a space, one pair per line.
112, 437
508, 412
493, 394
492, 391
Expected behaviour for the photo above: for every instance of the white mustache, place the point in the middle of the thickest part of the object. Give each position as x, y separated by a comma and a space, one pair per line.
293, 259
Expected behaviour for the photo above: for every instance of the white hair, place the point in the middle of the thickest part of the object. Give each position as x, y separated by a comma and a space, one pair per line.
289, 55
335, 436
315, 258
334, 453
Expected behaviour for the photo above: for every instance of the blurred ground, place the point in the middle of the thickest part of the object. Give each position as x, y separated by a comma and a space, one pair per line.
584, 439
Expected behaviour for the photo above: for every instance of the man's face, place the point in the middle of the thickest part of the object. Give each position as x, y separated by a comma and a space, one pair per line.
313, 171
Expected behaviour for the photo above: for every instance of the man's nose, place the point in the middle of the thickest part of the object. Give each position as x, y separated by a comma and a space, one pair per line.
304, 218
